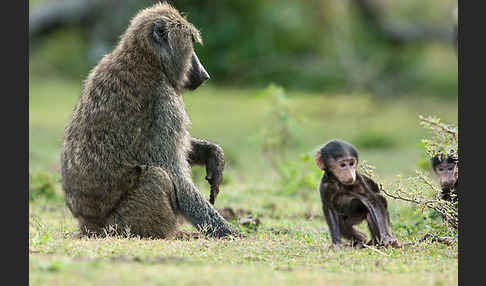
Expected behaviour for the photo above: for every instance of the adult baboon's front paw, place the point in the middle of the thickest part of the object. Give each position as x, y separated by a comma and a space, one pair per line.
215, 166
214, 171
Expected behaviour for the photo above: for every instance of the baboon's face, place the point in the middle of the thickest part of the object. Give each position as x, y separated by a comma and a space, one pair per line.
447, 173
344, 169
172, 38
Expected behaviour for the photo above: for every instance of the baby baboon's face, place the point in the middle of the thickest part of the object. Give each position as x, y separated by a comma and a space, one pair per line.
344, 169
172, 38
447, 173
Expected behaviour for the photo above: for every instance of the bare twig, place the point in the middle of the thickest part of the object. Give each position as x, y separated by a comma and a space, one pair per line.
439, 125
374, 249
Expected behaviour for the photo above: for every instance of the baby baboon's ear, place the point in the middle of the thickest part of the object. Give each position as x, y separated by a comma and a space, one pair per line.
318, 160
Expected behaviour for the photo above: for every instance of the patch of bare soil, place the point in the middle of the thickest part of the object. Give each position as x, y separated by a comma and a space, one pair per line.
230, 214
244, 217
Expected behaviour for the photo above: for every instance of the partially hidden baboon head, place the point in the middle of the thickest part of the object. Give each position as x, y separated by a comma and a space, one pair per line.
446, 170
339, 158
167, 38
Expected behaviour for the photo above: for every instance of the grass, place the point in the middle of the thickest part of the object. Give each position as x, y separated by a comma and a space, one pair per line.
291, 245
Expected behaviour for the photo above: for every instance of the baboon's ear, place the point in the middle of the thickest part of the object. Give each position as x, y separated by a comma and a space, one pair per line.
318, 160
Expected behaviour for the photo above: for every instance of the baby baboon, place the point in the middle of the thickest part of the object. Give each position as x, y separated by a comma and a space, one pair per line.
445, 167
127, 152
348, 197
446, 170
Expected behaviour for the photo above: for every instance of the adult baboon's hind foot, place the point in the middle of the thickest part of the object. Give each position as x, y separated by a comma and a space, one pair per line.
146, 210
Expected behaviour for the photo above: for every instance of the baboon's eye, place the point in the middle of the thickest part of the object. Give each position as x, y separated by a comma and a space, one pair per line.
450, 168
160, 31
441, 169
342, 165
351, 163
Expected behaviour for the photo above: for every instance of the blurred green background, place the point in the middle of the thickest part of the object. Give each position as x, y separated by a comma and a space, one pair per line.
357, 70
387, 48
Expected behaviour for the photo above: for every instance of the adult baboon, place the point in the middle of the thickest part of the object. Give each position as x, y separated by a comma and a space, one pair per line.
126, 154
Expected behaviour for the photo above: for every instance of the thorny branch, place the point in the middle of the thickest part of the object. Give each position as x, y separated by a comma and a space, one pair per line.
436, 123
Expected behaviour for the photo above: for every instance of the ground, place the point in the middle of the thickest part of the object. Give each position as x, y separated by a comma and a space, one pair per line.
291, 244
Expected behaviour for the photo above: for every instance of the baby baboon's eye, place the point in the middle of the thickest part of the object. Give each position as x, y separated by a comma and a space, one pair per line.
351, 163
450, 168
441, 169
342, 165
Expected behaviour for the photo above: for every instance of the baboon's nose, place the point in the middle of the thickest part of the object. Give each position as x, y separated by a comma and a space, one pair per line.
205, 76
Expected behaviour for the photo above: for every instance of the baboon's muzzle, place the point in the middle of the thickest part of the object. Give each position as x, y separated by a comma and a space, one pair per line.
197, 74
447, 182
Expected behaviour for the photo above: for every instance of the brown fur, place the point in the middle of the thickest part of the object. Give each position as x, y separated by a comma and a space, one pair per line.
212, 156
342, 210
348, 197
126, 149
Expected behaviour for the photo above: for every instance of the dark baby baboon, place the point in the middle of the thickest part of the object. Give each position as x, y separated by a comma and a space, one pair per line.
348, 197
446, 170
127, 150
